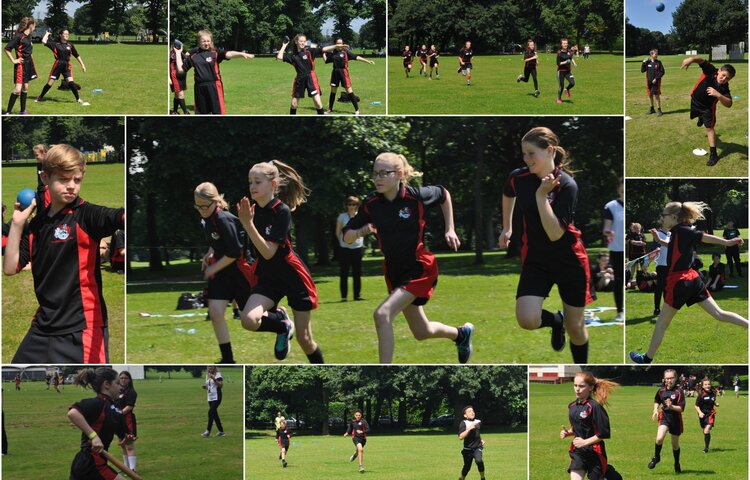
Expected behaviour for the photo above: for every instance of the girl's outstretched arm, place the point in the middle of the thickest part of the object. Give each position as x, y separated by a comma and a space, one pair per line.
233, 54
713, 239
280, 53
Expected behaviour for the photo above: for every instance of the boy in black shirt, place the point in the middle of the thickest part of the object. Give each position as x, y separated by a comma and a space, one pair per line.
654, 70
468, 431
358, 428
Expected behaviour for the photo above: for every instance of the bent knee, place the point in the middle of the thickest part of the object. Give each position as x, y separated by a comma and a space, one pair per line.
381, 317
528, 320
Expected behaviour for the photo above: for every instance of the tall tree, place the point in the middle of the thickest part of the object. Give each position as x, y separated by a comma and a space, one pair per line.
701, 24
14, 11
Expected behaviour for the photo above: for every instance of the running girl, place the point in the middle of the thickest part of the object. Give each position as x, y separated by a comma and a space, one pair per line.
125, 401
282, 438
226, 268
589, 427
564, 62
464, 58
669, 403
434, 62
99, 420
395, 213
340, 74
63, 49
422, 54
177, 83
213, 385
705, 403
209, 89
530, 59
280, 272
303, 61
24, 69
408, 57
552, 252
468, 431
358, 428
684, 285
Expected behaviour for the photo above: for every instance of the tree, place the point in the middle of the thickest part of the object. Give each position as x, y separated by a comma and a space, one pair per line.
57, 19
701, 24
14, 11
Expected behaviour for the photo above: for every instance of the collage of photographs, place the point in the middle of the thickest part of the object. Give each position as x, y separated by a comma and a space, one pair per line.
164, 269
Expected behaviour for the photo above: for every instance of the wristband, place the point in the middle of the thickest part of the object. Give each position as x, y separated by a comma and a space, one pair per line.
92, 435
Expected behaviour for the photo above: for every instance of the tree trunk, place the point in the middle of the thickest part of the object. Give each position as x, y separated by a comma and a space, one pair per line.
154, 258
478, 207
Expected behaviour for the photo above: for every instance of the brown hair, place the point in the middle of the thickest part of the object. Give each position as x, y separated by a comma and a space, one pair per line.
290, 187
602, 387
63, 158
208, 191
543, 137
350, 199
95, 378
401, 164
24, 24
296, 49
689, 212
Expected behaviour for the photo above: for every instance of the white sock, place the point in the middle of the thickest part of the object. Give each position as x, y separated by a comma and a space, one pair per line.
125, 460
131, 461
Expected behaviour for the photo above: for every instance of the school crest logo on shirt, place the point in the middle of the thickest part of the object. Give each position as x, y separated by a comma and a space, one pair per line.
268, 230
304, 57
209, 59
68, 48
404, 212
62, 232
583, 414
673, 396
215, 235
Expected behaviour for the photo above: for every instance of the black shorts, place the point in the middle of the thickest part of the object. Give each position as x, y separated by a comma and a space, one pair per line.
707, 114
653, 88
589, 461
61, 70
90, 466
209, 98
293, 281
307, 83
24, 72
418, 278
179, 84
359, 440
466, 66
569, 273
231, 284
434, 62
67, 349
284, 444
679, 293
673, 422
708, 419
340, 76
407, 64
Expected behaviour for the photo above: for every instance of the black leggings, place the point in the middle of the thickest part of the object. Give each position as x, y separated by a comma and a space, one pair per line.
530, 72
350, 257
733, 256
617, 260
469, 455
561, 77
213, 414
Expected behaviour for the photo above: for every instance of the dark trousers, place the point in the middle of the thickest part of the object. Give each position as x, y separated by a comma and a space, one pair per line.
617, 260
350, 257
733, 256
470, 455
213, 414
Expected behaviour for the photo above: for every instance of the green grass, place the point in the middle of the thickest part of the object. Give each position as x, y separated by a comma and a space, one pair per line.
171, 415
483, 295
494, 90
264, 86
408, 456
663, 146
102, 185
132, 79
633, 433
693, 336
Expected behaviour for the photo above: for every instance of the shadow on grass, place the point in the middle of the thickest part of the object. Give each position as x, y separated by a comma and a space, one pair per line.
674, 112
728, 148
638, 320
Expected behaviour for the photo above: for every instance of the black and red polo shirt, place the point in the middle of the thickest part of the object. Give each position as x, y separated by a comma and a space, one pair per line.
355, 425
708, 79
340, 58
528, 54
563, 55
706, 401
62, 51
206, 64
588, 419
666, 416
407, 56
682, 243
304, 60
21, 43
104, 417
466, 54
228, 238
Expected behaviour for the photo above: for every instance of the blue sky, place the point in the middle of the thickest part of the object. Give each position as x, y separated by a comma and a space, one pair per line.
643, 14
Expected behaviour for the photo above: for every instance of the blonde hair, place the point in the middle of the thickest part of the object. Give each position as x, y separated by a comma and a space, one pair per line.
208, 191
39, 147
289, 187
206, 33
602, 387
401, 163
636, 225
63, 158
689, 212
543, 137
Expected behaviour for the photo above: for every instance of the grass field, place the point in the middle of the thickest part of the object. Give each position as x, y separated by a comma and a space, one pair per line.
493, 90
693, 336
132, 79
632, 441
483, 295
263, 86
648, 135
171, 415
103, 185
412, 456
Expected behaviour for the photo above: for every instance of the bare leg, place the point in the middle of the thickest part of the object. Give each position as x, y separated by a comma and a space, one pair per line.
422, 328
216, 309
575, 325
529, 312
661, 434
712, 308
384, 315
662, 323
254, 309
303, 326
711, 134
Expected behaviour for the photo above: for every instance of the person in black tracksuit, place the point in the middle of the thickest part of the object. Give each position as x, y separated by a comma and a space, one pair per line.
279, 270
283, 434
70, 325
589, 427
732, 252
530, 60
565, 62
669, 403
340, 74
63, 50
705, 407
358, 428
209, 88
552, 251
125, 401
24, 69
227, 268
468, 431
407, 56
654, 71
177, 83
99, 420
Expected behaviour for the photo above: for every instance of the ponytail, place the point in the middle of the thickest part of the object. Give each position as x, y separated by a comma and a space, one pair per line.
543, 137
94, 379
687, 212
290, 187
602, 387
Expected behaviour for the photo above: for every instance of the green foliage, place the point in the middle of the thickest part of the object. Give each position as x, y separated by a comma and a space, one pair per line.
57, 19
20, 134
14, 11
701, 24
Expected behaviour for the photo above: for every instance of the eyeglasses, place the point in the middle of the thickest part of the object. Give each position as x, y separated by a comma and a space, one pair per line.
202, 207
382, 174
662, 215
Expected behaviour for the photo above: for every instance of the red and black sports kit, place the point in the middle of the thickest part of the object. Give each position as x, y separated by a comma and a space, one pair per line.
209, 90
408, 57
400, 231
26, 71
228, 238
282, 438
635, 251
284, 274
588, 419
179, 81
127, 398
433, 54
702, 105
106, 420
423, 55
684, 285
706, 401
353, 426
64, 53
340, 73
670, 418
654, 70
543, 262
564, 71
466, 54
529, 68
70, 325
304, 64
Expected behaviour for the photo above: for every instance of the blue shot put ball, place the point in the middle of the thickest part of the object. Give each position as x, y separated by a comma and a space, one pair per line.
25, 197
